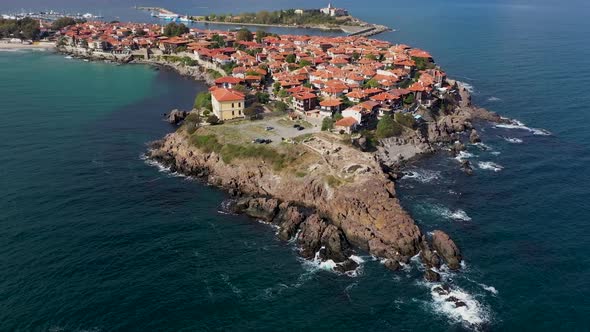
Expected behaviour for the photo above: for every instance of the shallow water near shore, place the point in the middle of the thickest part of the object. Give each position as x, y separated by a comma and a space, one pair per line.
96, 239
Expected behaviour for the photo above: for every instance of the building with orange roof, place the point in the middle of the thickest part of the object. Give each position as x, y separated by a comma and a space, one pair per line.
347, 125
227, 104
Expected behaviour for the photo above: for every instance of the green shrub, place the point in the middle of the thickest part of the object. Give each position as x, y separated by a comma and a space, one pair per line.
229, 152
386, 127
405, 119
206, 143
327, 123
203, 101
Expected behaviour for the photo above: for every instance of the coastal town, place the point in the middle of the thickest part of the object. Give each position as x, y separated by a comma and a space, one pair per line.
307, 133
343, 84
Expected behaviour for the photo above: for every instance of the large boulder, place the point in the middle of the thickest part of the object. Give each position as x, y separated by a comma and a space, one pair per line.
474, 137
446, 247
176, 116
289, 218
428, 256
431, 276
259, 208
311, 235
335, 245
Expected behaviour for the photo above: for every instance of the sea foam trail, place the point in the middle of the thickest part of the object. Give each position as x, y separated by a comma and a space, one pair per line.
422, 175
317, 264
491, 166
472, 315
513, 140
468, 87
515, 124
447, 213
463, 155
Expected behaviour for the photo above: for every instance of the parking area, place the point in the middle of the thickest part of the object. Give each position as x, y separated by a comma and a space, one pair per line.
276, 129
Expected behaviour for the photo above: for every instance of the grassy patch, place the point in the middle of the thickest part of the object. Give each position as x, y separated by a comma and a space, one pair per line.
206, 143
334, 181
230, 152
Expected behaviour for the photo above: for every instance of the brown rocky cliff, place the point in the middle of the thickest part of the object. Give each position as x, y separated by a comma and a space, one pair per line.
366, 210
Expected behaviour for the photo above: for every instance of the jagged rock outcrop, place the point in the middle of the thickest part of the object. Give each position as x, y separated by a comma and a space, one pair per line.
428, 256
176, 116
311, 235
466, 167
366, 211
474, 137
446, 247
431, 275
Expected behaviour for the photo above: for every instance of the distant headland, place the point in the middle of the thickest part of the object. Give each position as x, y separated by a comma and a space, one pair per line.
327, 18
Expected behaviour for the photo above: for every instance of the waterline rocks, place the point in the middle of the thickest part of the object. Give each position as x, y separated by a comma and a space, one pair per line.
363, 210
176, 116
474, 137
447, 248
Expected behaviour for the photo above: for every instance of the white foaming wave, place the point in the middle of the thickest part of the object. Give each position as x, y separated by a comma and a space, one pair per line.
494, 99
164, 169
513, 140
317, 264
490, 289
515, 124
483, 146
458, 214
275, 227
463, 155
467, 86
422, 175
472, 315
488, 165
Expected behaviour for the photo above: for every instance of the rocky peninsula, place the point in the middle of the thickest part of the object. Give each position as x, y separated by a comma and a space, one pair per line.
331, 191
344, 199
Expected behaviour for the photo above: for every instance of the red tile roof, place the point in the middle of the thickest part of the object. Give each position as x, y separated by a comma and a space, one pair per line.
223, 95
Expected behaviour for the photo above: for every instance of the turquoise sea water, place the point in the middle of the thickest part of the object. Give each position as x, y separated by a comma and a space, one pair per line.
95, 239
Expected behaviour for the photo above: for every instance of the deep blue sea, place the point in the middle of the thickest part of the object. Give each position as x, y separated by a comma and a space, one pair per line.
93, 238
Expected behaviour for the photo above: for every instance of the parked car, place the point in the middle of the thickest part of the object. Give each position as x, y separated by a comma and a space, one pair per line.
300, 128
296, 126
269, 128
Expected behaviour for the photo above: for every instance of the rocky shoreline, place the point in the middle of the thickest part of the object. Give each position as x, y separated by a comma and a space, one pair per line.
197, 73
329, 223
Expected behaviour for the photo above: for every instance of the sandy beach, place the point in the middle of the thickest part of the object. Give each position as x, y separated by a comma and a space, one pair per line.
17, 46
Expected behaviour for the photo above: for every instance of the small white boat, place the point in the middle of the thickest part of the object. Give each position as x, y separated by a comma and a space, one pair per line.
68, 57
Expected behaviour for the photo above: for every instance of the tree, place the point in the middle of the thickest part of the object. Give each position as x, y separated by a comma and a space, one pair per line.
337, 116
260, 35
409, 99
244, 35
212, 119
62, 22
371, 56
304, 63
173, 30
203, 101
372, 83
386, 127
262, 97
217, 41
280, 106
327, 123
291, 58
405, 119
283, 93
276, 87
